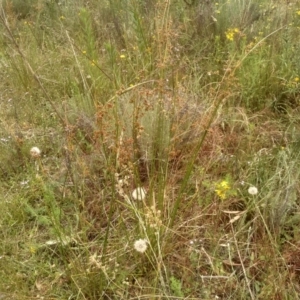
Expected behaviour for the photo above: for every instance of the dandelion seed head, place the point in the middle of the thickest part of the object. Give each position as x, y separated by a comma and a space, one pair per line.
252, 190
139, 193
35, 152
24, 182
140, 245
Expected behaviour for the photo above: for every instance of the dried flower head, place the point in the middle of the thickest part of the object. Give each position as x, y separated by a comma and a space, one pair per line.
153, 217
252, 190
139, 193
35, 152
140, 245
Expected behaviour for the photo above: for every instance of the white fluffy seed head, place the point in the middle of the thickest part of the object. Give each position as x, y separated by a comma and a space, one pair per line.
139, 193
35, 152
140, 245
252, 190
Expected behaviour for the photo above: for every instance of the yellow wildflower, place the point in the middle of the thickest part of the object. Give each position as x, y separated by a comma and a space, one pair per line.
224, 185
229, 36
222, 188
221, 194
32, 249
298, 12
231, 32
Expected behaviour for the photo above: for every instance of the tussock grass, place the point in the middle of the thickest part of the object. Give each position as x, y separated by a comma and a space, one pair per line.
153, 120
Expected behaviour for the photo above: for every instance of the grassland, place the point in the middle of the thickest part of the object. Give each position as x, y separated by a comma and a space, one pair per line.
149, 149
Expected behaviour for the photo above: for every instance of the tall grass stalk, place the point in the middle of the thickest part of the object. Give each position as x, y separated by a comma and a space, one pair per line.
33, 73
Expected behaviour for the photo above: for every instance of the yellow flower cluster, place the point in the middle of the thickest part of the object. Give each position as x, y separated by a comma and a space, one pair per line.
231, 32
292, 83
222, 188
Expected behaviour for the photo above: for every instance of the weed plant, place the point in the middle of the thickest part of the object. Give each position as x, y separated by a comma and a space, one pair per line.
149, 149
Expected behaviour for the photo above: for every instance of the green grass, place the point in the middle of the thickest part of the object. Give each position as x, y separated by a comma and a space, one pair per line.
192, 103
